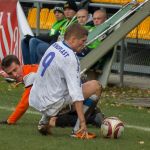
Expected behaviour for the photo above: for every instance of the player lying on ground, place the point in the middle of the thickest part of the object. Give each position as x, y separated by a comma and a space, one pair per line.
57, 83
26, 74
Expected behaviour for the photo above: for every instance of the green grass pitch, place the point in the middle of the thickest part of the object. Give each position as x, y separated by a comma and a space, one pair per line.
24, 135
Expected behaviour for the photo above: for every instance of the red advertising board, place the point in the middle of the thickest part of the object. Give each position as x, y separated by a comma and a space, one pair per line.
9, 30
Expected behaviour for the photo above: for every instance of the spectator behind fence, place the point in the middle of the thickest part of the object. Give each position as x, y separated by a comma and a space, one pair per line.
83, 18
99, 17
70, 10
35, 48
30, 44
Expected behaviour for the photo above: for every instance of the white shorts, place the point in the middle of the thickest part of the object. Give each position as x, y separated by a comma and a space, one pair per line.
54, 109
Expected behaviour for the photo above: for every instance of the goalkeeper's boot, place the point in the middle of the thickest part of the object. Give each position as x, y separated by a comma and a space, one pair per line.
96, 118
83, 135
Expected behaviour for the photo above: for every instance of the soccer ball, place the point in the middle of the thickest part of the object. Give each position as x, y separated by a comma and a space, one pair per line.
112, 127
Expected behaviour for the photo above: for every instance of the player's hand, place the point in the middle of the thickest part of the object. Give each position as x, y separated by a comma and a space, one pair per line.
83, 126
4, 122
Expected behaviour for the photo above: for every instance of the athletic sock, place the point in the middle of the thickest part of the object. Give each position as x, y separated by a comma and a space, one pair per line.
87, 103
77, 125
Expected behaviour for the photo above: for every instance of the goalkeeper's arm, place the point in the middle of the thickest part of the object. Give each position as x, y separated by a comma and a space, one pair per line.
21, 108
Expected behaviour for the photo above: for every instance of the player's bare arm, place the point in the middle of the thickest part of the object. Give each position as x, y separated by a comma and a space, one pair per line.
79, 110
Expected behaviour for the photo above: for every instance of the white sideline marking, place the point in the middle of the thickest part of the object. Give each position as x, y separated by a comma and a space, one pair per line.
37, 113
138, 128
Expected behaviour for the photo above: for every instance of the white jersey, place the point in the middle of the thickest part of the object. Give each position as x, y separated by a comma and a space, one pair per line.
29, 79
58, 75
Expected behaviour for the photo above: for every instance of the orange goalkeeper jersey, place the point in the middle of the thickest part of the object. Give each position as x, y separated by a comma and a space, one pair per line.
28, 78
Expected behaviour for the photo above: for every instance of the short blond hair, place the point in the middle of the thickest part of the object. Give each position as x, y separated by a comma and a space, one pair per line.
75, 30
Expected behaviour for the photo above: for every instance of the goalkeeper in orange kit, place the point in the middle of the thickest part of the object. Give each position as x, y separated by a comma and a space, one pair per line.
24, 74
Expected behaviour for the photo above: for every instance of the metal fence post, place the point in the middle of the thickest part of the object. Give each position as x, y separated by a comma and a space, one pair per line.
38, 19
122, 62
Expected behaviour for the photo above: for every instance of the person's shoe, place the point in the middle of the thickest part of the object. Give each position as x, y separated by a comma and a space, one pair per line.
83, 135
44, 129
98, 119
10, 80
73, 134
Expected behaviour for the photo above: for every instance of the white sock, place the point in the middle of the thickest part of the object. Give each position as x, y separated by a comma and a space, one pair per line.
77, 125
94, 97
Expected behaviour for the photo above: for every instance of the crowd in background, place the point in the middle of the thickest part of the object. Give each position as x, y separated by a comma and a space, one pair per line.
33, 48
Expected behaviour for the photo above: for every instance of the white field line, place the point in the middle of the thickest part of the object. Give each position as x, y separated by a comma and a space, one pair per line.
37, 113
138, 128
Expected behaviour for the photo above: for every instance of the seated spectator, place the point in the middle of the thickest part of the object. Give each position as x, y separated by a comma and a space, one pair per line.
83, 19
35, 48
61, 20
29, 44
70, 10
99, 17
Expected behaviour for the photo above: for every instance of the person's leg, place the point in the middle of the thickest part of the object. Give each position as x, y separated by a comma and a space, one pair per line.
94, 117
91, 91
25, 51
41, 49
33, 44
89, 88
92, 88
43, 126
64, 120
37, 50
69, 119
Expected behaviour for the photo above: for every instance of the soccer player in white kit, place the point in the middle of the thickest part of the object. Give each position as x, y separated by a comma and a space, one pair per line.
58, 83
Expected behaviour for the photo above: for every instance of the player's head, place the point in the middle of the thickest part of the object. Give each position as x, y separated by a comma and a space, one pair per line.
76, 36
99, 17
59, 12
70, 9
11, 65
82, 16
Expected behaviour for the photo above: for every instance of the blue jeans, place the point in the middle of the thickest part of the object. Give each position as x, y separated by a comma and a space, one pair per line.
37, 50
33, 50
25, 51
